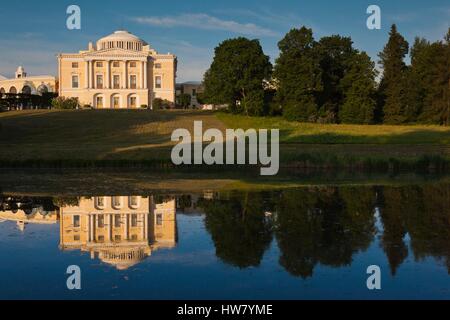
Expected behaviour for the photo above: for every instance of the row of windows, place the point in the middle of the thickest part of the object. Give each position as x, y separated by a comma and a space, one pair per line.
117, 237
122, 45
116, 82
117, 221
115, 64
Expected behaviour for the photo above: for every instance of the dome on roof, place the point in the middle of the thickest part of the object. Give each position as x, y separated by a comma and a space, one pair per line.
121, 39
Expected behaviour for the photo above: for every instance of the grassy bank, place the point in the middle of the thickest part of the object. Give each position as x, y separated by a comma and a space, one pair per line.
104, 138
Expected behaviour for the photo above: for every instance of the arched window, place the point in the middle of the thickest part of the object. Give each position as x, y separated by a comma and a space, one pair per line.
42, 89
26, 90
13, 90
2, 91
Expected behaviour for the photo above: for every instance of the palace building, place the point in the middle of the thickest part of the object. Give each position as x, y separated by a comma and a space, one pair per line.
120, 71
120, 230
22, 83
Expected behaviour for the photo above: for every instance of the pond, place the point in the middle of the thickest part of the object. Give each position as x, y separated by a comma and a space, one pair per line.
307, 242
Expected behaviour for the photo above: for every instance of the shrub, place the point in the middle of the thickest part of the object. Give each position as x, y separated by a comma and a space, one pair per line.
63, 103
159, 104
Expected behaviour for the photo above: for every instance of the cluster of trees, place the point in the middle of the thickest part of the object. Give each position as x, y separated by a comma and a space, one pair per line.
329, 225
330, 81
11, 101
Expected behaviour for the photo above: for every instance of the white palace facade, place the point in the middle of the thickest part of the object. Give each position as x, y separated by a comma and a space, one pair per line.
120, 71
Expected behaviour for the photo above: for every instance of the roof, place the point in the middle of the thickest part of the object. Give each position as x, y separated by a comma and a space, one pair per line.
122, 35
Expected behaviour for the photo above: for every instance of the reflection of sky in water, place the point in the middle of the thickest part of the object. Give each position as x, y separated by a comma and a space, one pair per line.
33, 266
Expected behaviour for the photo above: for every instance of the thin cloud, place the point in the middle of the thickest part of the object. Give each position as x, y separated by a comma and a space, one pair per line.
206, 22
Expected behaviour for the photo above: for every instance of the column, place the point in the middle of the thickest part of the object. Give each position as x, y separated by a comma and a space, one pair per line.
92, 74
141, 85
125, 75
145, 74
126, 226
108, 74
109, 227
143, 226
91, 227
86, 76
87, 227
146, 226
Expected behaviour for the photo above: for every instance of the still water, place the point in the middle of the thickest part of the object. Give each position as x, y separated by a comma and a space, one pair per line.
302, 243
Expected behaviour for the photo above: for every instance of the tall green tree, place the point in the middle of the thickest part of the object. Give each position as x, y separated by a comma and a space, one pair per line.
298, 75
393, 87
237, 74
336, 54
358, 88
436, 82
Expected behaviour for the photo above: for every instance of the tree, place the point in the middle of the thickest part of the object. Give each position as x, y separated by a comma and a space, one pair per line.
184, 100
393, 84
336, 54
298, 75
435, 72
358, 87
237, 74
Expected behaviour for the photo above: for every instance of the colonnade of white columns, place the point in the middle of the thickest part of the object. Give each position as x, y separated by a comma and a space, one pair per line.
90, 75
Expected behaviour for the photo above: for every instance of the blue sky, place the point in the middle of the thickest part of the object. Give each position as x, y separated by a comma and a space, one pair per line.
33, 32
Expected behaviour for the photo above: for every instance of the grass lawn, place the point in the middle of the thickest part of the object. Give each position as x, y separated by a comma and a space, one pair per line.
309, 133
91, 135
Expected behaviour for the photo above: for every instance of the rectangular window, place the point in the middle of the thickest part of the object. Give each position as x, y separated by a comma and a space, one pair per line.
116, 64
99, 103
99, 64
157, 65
76, 221
74, 65
194, 92
99, 81
117, 237
117, 221
76, 237
101, 221
132, 82
134, 237
101, 238
134, 220
133, 102
116, 81
158, 82
133, 64
159, 219
74, 82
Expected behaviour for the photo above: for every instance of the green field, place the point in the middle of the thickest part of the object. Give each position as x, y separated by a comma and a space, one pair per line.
90, 136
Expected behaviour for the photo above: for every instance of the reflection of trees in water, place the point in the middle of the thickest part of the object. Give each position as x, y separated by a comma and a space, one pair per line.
423, 212
329, 225
239, 228
323, 225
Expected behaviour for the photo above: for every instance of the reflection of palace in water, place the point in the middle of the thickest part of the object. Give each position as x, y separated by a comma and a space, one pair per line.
25, 211
118, 230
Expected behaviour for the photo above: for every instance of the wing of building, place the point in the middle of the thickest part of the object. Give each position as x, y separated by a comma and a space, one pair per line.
22, 83
120, 71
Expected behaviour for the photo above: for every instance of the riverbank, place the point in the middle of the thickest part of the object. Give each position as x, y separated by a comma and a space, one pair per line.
141, 139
